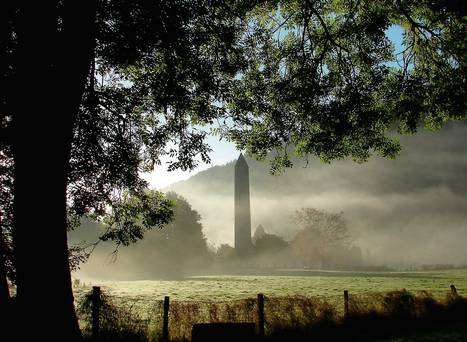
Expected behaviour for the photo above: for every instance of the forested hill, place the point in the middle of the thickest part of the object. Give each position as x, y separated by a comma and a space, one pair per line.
408, 210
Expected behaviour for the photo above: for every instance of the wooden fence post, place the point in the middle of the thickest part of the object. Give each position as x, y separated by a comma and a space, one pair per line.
260, 315
96, 306
453, 291
165, 320
346, 304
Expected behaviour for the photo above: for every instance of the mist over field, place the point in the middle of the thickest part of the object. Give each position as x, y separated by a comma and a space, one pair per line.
405, 212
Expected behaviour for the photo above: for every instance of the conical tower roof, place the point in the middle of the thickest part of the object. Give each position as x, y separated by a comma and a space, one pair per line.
241, 161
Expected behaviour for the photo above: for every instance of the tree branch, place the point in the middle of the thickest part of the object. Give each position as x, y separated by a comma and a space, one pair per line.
419, 26
326, 29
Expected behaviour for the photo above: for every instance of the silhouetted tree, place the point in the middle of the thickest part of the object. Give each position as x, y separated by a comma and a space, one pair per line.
179, 249
186, 228
97, 90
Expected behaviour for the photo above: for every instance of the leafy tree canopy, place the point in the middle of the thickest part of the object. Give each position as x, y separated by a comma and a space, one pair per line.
322, 77
332, 227
178, 249
186, 230
159, 71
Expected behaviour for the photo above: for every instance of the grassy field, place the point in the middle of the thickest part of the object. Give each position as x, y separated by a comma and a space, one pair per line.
146, 295
305, 283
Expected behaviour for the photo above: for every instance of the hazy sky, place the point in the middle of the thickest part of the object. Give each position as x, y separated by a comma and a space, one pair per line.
407, 211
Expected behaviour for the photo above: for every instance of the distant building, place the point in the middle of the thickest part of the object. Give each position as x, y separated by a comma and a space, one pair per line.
243, 245
260, 232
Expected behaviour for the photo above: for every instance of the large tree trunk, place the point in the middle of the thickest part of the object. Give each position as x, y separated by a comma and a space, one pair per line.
54, 51
4, 290
44, 292
5, 300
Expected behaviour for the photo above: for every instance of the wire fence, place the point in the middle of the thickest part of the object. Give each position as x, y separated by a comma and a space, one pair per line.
116, 318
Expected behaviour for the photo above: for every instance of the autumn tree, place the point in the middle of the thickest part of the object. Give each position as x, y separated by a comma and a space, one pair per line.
320, 232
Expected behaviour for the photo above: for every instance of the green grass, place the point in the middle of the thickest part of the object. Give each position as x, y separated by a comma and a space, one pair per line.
317, 283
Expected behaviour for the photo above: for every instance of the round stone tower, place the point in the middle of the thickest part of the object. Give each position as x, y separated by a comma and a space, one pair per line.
243, 245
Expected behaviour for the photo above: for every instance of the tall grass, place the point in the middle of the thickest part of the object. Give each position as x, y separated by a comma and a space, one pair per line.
117, 323
290, 317
376, 316
183, 314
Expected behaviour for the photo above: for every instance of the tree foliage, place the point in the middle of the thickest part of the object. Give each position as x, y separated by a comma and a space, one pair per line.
324, 79
179, 249
319, 235
186, 230
134, 215
160, 71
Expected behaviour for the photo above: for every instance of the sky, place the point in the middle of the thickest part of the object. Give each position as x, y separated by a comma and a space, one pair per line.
222, 153
222, 150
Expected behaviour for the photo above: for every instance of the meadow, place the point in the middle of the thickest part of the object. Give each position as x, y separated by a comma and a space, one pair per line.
303, 283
